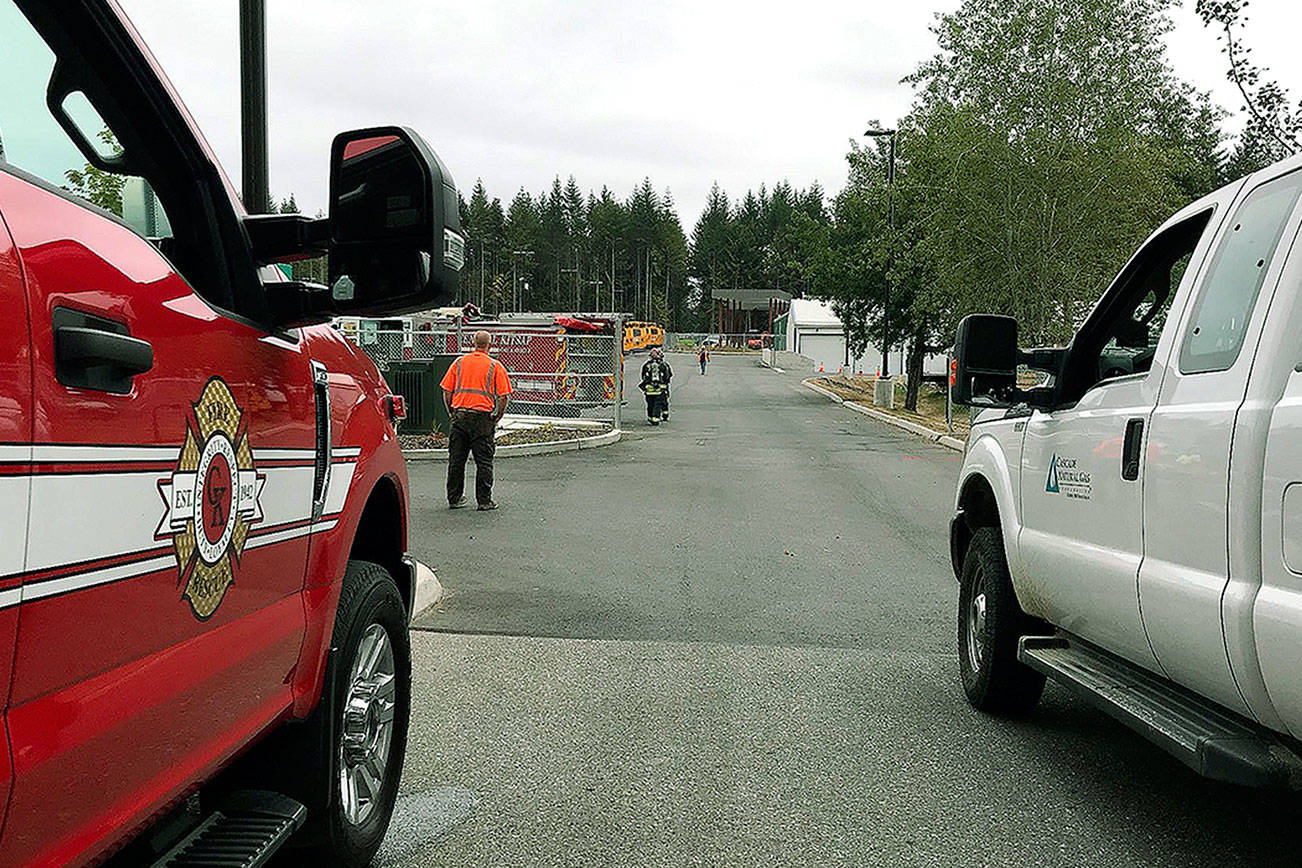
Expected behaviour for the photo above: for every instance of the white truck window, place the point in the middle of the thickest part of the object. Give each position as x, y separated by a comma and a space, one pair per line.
1134, 338
1119, 337
1233, 281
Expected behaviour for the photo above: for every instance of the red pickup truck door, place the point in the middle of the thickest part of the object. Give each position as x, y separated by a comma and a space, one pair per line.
15, 462
161, 613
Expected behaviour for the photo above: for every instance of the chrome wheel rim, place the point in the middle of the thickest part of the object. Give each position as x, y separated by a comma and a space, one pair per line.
976, 623
366, 729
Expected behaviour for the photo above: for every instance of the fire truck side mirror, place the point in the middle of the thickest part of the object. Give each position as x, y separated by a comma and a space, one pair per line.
395, 227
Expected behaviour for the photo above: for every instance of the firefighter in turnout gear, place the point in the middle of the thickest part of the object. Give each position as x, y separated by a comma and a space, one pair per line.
656, 375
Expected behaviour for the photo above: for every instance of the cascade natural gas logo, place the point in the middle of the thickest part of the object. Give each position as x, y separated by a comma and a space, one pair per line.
1067, 478
211, 499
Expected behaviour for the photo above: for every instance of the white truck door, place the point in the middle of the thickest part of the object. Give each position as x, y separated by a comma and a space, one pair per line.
1185, 572
1081, 539
1277, 611
1081, 542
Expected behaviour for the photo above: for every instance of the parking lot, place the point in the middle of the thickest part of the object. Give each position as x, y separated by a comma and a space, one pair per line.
730, 641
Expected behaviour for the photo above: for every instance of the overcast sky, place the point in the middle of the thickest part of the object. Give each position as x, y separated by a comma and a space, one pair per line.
687, 92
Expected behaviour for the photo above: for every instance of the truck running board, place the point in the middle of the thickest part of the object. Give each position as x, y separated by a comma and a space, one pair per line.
244, 833
1213, 742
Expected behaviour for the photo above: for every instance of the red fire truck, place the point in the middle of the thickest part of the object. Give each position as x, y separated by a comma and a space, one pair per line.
204, 591
557, 362
560, 364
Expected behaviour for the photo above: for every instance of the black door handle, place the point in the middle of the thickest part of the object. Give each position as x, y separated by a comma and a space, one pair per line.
95, 353
84, 346
1131, 451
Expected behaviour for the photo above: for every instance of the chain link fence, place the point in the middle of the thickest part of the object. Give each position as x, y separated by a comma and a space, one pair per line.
553, 374
691, 341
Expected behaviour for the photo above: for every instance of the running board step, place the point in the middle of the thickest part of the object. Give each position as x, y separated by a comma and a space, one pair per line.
244, 833
1213, 742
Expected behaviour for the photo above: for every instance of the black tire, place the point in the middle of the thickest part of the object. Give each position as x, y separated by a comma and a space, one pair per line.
369, 597
993, 679
302, 760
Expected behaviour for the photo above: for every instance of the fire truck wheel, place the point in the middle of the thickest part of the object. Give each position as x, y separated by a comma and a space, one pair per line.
361, 722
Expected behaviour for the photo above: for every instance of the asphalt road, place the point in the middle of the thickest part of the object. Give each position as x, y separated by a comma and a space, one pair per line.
729, 641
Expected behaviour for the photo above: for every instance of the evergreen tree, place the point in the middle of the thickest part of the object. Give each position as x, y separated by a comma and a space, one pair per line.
551, 255
709, 258
567, 251
482, 224
607, 227
522, 229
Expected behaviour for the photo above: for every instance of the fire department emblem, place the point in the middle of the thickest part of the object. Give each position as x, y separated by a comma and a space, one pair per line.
211, 499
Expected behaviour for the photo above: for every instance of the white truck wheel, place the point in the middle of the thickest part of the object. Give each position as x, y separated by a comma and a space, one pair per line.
989, 624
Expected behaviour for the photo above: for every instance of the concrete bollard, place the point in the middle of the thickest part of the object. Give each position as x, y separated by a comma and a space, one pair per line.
884, 393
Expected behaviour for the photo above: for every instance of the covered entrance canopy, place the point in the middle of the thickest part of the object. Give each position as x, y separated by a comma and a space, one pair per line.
741, 311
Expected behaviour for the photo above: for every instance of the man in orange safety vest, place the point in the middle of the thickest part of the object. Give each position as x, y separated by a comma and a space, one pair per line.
475, 390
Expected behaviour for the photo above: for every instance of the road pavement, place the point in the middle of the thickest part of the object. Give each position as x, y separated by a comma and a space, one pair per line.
730, 641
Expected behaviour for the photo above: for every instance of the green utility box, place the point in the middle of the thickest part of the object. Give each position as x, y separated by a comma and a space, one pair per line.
418, 384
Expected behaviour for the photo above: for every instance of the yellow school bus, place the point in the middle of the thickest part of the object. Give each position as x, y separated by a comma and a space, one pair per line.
642, 335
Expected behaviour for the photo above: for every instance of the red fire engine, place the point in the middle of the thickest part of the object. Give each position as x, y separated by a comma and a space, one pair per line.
558, 363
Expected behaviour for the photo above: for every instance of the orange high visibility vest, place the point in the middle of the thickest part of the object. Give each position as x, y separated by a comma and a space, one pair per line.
476, 381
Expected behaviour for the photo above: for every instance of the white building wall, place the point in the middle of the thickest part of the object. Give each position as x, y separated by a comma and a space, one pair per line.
814, 332
826, 351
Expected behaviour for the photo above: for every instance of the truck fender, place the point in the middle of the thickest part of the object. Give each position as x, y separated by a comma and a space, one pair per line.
363, 533
369, 511
985, 498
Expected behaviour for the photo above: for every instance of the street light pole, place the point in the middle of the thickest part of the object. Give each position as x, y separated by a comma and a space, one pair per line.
515, 285
612, 277
253, 106
890, 224
575, 272
578, 295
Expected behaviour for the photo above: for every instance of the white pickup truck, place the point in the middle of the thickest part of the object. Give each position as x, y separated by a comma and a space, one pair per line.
1132, 525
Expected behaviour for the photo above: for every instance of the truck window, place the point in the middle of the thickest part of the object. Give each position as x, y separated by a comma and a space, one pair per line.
1119, 337
1233, 281
1134, 338
32, 140
179, 201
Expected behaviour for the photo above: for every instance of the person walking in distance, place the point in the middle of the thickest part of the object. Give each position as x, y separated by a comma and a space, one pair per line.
656, 375
703, 357
475, 391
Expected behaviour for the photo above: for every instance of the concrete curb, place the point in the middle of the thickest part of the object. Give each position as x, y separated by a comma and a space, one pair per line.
428, 591
826, 393
938, 437
519, 450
